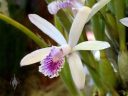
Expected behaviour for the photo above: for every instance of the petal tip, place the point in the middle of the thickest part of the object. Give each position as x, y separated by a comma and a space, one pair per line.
22, 63
30, 16
124, 21
107, 45
25, 62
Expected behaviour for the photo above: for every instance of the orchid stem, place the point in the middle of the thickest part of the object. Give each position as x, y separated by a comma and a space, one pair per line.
25, 30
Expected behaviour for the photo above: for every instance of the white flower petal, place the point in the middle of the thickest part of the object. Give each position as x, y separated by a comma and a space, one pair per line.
97, 7
47, 28
92, 45
77, 70
124, 21
35, 56
78, 24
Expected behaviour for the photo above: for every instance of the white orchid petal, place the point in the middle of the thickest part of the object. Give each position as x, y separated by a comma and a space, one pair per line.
92, 45
78, 25
124, 21
35, 56
77, 70
97, 7
47, 28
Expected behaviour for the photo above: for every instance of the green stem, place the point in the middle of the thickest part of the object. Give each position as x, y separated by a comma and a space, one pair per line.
119, 13
25, 30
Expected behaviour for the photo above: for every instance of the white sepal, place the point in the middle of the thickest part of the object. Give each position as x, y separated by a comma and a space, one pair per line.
35, 56
124, 21
97, 7
92, 45
78, 24
77, 70
47, 28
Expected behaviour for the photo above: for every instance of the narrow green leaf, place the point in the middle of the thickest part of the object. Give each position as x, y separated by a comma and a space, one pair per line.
119, 6
107, 73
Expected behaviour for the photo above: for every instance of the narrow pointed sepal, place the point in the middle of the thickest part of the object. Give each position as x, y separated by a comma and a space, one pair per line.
35, 56
47, 28
92, 45
78, 25
123, 67
77, 70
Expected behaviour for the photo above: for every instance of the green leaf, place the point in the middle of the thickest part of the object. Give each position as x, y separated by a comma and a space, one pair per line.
107, 73
123, 67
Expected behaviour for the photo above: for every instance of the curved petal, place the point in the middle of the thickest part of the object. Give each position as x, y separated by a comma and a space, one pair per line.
78, 25
124, 21
47, 28
97, 7
77, 70
92, 45
35, 56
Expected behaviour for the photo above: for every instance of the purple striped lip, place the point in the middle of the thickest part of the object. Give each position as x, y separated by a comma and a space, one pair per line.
52, 64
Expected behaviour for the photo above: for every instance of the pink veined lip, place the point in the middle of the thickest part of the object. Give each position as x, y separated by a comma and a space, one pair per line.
52, 64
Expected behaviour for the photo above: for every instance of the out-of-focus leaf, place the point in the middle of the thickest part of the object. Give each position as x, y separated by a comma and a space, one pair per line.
123, 68
119, 6
107, 73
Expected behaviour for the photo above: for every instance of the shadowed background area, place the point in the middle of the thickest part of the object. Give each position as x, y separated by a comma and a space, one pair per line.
25, 81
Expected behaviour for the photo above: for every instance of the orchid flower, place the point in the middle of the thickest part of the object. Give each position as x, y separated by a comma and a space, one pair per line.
52, 58
74, 5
